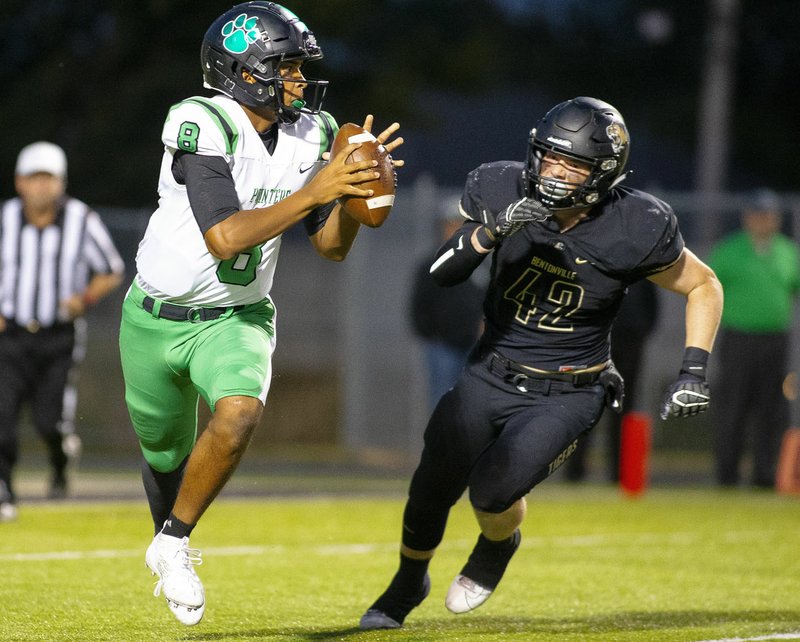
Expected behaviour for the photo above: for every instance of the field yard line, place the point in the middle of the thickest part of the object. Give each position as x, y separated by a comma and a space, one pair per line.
774, 636
609, 539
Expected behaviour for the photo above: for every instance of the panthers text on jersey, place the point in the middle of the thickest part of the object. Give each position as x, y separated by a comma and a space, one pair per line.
553, 295
173, 261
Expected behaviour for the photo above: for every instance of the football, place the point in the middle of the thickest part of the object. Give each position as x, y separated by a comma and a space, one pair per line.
373, 210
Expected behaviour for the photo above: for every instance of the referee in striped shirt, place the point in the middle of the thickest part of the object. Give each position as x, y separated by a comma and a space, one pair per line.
57, 260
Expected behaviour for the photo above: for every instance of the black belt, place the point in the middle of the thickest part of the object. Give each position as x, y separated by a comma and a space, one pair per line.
195, 314
518, 374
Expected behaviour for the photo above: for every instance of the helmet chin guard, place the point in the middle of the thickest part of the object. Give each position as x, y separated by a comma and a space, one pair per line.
257, 37
585, 129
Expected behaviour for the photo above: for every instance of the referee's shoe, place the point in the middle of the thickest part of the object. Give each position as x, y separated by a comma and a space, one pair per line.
8, 509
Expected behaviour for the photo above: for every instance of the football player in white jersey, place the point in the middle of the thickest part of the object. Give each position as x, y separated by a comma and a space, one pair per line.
238, 170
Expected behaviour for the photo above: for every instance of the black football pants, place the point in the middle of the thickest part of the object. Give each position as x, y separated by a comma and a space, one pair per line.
487, 436
34, 368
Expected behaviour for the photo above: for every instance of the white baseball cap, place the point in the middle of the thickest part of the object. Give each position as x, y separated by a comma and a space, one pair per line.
42, 157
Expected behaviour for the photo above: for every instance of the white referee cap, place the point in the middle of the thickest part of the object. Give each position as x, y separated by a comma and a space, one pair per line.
42, 157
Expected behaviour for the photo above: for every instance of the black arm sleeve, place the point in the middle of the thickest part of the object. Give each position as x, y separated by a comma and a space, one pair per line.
457, 259
209, 185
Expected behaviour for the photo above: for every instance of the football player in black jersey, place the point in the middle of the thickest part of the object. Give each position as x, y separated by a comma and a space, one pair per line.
566, 241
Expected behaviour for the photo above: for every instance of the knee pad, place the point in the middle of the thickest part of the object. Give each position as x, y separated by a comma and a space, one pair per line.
491, 497
423, 526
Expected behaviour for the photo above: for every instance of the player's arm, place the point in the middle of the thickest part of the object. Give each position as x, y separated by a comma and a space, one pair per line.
335, 237
458, 257
696, 281
334, 240
689, 394
244, 229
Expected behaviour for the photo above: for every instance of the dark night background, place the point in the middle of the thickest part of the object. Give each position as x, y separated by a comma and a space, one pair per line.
466, 80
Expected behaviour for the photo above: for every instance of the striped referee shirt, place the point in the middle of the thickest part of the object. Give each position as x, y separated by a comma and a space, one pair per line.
41, 268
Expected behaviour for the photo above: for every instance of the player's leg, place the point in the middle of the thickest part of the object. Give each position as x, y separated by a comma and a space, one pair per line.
162, 403
55, 360
161, 400
230, 364
209, 466
161, 490
457, 432
216, 456
533, 444
232, 369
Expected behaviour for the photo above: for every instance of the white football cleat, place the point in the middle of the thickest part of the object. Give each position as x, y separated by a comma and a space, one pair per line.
465, 595
171, 559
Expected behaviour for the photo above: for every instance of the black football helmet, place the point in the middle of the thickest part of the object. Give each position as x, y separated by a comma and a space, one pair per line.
258, 37
588, 130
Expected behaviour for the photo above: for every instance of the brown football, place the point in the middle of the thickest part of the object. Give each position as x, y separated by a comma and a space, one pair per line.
373, 210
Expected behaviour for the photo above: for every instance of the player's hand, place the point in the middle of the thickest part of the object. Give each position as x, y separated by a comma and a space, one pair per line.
384, 138
614, 385
339, 178
687, 397
517, 214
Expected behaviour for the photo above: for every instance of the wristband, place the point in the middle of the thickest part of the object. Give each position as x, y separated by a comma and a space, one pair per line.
695, 361
485, 238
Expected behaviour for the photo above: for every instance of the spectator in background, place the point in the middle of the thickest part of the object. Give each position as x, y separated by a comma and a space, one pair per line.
635, 321
447, 320
56, 261
759, 269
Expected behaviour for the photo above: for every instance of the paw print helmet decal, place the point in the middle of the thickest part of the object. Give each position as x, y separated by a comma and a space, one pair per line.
257, 37
588, 130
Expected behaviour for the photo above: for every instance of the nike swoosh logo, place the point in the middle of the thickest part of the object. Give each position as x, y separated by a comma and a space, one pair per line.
303, 170
460, 245
581, 261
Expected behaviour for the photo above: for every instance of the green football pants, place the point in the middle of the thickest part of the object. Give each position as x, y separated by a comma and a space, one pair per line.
168, 365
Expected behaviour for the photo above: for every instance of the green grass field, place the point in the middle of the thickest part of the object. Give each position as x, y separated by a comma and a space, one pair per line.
675, 564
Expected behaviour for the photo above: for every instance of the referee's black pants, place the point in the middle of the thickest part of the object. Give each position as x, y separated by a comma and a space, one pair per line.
33, 368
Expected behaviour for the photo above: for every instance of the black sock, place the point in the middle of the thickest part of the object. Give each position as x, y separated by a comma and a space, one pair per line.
408, 588
489, 560
161, 490
176, 528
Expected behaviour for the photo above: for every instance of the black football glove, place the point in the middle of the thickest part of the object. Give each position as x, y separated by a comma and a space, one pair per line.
614, 385
689, 395
519, 213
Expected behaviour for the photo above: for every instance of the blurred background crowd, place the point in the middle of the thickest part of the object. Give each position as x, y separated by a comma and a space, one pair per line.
706, 89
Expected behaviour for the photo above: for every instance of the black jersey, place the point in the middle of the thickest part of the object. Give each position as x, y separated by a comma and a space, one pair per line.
553, 296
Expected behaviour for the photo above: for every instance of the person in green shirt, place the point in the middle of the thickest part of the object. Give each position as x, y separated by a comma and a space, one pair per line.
759, 268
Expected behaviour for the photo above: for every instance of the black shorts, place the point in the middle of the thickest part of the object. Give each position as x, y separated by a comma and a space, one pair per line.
490, 436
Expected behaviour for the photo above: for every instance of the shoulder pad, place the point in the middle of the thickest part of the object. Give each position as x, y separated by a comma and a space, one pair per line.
199, 125
490, 188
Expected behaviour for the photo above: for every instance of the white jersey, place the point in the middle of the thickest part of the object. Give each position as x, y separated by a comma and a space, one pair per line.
173, 261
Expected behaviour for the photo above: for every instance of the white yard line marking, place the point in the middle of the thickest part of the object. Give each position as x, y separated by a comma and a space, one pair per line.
774, 636
583, 541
